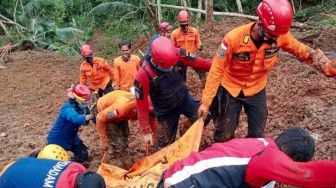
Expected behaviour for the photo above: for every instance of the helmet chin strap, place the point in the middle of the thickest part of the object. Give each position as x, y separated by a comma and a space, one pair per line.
263, 37
157, 67
82, 106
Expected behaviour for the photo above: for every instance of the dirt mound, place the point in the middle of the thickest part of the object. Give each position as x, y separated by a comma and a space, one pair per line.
324, 39
101, 41
33, 89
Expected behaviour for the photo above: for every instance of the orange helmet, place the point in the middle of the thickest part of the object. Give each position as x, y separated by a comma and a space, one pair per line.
163, 53
81, 93
183, 16
86, 49
276, 16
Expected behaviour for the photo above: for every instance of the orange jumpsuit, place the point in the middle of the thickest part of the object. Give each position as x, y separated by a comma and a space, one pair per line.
98, 75
239, 66
117, 106
124, 72
191, 40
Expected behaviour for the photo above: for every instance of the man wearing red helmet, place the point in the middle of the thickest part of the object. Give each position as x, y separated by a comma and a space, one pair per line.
73, 114
241, 65
95, 72
186, 36
165, 31
189, 38
160, 79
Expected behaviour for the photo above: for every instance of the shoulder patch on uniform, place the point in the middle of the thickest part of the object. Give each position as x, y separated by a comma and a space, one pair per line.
222, 49
246, 39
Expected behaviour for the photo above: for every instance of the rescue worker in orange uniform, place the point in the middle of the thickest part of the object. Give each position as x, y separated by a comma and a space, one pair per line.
95, 72
240, 67
189, 38
114, 111
185, 36
125, 67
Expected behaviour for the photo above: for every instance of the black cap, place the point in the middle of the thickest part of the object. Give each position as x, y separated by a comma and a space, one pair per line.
90, 180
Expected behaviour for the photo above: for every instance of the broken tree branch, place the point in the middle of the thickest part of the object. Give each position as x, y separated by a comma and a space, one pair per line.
6, 20
4, 51
233, 14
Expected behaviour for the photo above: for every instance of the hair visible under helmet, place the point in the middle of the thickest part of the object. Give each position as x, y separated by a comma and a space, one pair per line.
90, 180
297, 143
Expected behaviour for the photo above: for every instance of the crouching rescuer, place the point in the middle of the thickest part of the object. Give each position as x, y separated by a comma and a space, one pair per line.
114, 111
73, 114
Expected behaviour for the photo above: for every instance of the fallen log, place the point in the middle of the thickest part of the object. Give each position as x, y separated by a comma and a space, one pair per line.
7, 49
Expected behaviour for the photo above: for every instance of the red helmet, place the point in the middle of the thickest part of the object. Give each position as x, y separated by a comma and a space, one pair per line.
86, 49
276, 16
165, 26
163, 53
80, 93
183, 16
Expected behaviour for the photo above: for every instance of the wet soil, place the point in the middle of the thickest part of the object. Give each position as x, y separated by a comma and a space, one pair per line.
34, 84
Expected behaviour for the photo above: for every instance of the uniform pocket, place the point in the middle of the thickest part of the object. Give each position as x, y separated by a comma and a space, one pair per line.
191, 40
180, 42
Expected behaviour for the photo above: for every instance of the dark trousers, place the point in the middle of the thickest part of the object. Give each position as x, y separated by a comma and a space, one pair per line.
107, 89
80, 152
225, 110
167, 125
201, 74
117, 134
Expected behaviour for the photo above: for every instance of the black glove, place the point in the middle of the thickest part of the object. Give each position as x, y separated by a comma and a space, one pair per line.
189, 56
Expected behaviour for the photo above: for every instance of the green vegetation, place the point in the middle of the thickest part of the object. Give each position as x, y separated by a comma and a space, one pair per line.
322, 14
63, 25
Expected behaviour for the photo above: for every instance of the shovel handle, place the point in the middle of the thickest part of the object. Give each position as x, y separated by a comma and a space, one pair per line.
147, 149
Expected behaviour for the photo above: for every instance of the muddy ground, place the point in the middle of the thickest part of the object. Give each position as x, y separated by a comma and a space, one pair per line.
33, 90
